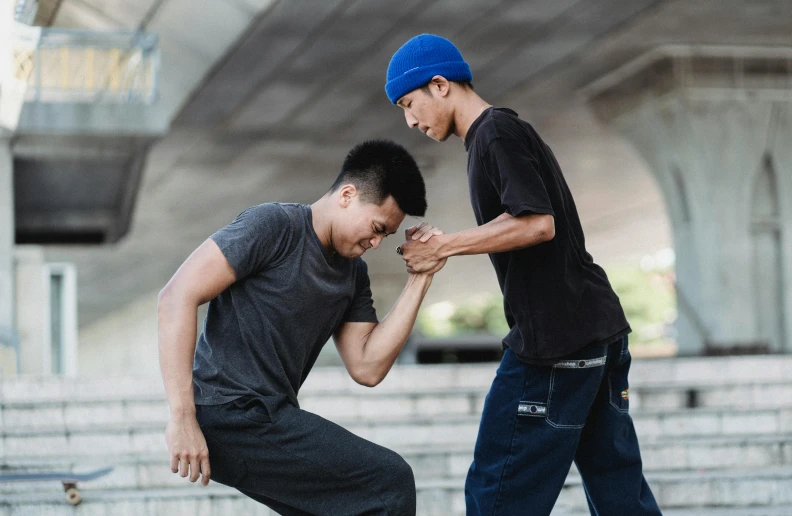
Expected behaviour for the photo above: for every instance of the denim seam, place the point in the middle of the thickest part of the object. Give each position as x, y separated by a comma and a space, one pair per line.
610, 397
549, 398
591, 502
508, 458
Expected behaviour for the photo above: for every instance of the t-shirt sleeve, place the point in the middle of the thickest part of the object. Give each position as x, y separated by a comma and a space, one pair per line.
362, 307
514, 174
255, 239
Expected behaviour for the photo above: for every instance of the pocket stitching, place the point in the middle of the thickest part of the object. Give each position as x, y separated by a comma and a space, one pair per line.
243, 414
610, 397
515, 423
550, 396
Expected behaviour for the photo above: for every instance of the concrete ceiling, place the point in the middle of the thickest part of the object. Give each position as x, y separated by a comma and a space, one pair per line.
276, 114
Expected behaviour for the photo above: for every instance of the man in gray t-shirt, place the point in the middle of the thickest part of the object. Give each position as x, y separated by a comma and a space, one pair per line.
262, 334
280, 280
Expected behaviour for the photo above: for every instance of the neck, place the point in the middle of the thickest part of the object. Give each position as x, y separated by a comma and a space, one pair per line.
320, 218
469, 110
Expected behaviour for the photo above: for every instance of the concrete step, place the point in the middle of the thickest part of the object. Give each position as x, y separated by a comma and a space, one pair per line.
372, 404
658, 374
762, 510
765, 510
214, 500
663, 373
736, 452
684, 490
24, 415
778, 510
141, 436
650, 426
730, 491
149, 471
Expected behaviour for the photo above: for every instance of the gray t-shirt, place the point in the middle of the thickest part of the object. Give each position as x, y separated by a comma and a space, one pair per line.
262, 334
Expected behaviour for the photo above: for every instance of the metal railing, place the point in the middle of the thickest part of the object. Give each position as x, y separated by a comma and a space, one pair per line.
63, 65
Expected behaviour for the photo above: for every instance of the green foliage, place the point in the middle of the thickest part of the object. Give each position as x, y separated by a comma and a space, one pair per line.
482, 313
647, 297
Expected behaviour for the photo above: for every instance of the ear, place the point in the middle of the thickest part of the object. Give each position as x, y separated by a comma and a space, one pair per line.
345, 194
440, 85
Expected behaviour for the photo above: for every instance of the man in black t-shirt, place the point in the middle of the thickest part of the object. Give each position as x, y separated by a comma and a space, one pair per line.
280, 280
561, 391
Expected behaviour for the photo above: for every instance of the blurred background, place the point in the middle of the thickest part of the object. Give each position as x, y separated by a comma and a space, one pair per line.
131, 130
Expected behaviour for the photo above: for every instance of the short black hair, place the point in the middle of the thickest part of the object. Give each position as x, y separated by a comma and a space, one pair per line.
382, 168
465, 85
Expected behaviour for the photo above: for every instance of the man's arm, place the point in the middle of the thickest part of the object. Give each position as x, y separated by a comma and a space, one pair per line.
370, 349
505, 233
201, 278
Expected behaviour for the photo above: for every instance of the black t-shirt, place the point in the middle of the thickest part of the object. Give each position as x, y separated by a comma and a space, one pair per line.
263, 334
557, 300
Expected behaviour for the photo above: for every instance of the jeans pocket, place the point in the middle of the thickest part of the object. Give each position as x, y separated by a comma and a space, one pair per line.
254, 409
573, 388
618, 385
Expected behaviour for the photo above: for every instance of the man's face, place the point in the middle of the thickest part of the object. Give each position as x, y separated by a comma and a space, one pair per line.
363, 225
428, 111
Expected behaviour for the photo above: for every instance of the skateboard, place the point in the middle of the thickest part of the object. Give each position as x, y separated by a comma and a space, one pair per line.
69, 480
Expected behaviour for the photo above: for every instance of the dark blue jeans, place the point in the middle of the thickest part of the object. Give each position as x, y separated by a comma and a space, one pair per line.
537, 420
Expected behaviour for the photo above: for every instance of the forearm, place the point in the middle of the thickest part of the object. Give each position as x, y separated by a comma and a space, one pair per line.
177, 320
505, 233
387, 339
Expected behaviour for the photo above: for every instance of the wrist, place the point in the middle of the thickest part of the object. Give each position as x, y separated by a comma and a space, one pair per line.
180, 412
421, 280
446, 247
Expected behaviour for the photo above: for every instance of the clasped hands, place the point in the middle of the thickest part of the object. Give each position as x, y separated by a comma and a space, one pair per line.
421, 251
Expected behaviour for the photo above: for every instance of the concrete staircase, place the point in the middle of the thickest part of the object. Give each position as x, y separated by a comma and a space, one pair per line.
716, 436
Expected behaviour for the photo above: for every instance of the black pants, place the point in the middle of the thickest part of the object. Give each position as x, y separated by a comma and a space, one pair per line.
299, 464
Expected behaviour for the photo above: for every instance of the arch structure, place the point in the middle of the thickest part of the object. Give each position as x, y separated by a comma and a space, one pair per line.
715, 126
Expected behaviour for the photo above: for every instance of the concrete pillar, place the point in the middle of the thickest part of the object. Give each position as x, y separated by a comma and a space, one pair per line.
715, 126
6, 235
32, 322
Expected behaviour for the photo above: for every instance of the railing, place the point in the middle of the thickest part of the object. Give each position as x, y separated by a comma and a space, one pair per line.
62, 65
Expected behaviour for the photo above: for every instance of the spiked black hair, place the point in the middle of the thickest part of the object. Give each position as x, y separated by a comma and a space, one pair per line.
382, 168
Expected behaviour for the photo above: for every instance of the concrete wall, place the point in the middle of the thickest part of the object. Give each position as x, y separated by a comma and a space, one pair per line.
6, 234
718, 144
124, 342
31, 310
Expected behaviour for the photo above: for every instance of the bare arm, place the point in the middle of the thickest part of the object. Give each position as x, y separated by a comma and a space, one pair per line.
370, 349
201, 278
505, 233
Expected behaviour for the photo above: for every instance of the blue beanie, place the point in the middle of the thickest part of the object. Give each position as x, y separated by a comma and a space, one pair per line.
420, 59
